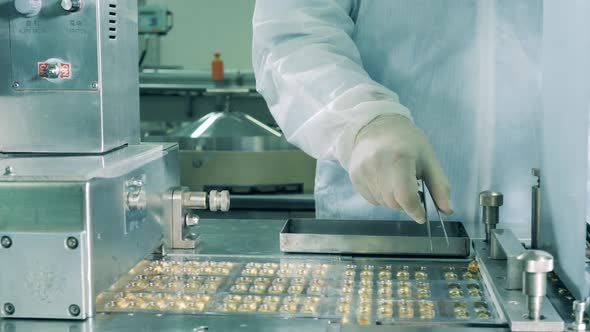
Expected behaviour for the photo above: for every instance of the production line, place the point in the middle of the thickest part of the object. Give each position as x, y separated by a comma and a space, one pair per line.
97, 232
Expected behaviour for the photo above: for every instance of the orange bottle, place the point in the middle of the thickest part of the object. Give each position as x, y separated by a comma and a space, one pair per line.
217, 68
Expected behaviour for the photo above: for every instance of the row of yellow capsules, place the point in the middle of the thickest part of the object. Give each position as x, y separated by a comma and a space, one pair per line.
189, 267
461, 310
160, 302
271, 304
175, 283
278, 285
285, 269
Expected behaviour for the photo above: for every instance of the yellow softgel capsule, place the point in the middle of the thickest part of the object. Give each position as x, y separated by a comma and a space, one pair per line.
469, 276
423, 285
252, 299
367, 274
461, 314
479, 306
317, 282
384, 275
402, 275
298, 282
344, 300
311, 300
276, 289
483, 315
247, 307
474, 293
240, 288
450, 276
404, 292
273, 266
228, 307
365, 291
349, 273
295, 289
343, 309
420, 275
349, 282
258, 289
425, 304
345, 290
280, 281
314, 290
363, 319
291, 300
460, 306
267, 307
454, 292
250, 272
473, 267
366, 282
406, 311
244, 280
198, 306
385, 311
271, 299
262, 281
232, 299
384, 292
267, 272
284, 272
427, 313
253, 265
309, 309
423, 293
288, 308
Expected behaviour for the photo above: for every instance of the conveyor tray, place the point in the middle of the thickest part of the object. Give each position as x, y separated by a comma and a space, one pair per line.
404, 238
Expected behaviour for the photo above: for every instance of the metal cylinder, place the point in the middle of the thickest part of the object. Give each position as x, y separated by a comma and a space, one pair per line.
490, 202
194, 200
534, 307
537, 264
579, 308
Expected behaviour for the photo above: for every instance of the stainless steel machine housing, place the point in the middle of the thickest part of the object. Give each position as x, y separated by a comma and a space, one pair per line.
70, 226
96, 108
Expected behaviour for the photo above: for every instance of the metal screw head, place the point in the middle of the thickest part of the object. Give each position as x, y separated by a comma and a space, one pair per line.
191, 219
94, 85
491, 198
6, 242
16, 85
9, 170
537, 261
8, 309
72, 242
74, 310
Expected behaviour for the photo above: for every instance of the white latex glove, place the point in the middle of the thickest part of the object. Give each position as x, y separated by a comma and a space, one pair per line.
388, 155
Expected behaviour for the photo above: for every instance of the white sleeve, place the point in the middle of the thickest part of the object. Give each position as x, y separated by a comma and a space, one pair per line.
310, 73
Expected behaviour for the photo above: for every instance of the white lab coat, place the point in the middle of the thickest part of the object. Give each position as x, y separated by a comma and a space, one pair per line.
466, 71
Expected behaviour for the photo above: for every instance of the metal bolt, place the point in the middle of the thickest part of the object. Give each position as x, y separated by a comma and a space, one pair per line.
9, 170
9, 309
16, 85
6, 242
72, 242
579, 308
74, 310
191, 219
94, 85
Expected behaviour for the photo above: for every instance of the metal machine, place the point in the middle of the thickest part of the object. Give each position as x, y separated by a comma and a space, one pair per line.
97, 235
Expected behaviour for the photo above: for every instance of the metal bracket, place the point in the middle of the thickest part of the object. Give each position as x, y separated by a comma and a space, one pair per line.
513, 302
504, 245
180, 203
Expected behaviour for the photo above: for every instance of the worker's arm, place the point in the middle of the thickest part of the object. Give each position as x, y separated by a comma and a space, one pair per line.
310, 72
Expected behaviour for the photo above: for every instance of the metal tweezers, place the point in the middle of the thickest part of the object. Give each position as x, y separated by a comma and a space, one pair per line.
421, 192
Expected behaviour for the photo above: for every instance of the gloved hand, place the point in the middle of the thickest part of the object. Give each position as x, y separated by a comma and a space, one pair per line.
388, 155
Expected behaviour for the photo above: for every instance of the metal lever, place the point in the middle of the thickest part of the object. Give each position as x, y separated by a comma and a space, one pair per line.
423, 199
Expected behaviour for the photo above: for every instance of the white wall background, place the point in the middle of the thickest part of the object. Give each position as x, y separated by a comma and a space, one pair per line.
203, 27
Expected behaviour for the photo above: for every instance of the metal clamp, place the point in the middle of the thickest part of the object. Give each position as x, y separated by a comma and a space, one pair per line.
181, 203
